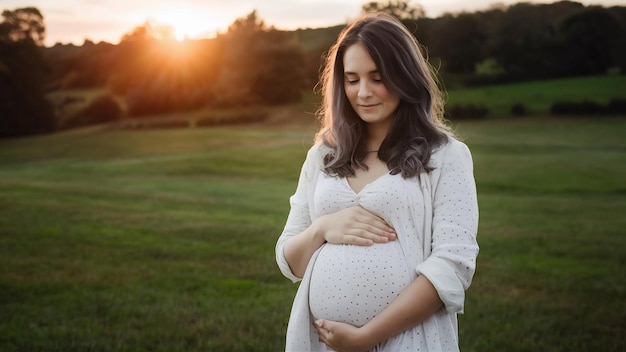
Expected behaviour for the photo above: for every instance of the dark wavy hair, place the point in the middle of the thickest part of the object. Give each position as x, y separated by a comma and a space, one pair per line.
417, 128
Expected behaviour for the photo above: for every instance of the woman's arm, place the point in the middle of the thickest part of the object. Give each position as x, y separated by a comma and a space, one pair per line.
302, 235
299, 249
452, 261
416, 303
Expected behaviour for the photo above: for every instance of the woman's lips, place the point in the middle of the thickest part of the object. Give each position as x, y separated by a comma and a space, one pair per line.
368, 107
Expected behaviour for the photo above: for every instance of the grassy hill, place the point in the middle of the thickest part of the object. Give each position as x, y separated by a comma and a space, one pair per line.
163, 240
538, 96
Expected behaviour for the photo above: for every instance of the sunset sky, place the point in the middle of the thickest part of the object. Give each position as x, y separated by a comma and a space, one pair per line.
73, 21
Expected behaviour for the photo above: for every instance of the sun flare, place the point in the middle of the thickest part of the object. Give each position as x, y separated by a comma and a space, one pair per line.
186, 24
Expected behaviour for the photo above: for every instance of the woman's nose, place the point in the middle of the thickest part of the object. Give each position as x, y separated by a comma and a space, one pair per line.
364, 89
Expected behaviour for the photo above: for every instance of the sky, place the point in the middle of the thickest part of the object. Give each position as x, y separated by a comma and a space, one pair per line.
73, 21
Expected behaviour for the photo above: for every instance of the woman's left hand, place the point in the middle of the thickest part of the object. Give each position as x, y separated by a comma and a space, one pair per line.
342, 337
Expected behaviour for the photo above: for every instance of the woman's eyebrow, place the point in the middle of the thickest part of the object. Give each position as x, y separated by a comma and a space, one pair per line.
354, 73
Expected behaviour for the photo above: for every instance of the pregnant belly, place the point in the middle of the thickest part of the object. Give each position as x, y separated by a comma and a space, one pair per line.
352, 284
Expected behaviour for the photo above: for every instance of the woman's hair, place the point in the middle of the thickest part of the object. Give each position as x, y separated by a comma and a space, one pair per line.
417, 127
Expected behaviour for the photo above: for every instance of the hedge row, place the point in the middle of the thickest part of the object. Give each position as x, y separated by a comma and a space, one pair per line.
103, 109
588, 107
615, 106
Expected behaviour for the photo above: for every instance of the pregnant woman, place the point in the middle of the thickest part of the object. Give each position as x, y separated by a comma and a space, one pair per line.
382, 226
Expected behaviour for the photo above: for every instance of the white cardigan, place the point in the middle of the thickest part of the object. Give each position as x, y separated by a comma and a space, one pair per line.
444, 251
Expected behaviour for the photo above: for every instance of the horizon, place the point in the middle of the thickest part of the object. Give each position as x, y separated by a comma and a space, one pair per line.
76, 21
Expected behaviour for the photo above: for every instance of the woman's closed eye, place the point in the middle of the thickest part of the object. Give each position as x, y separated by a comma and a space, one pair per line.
355, 81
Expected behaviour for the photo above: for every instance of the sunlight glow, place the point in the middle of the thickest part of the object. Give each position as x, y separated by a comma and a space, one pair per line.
186, 23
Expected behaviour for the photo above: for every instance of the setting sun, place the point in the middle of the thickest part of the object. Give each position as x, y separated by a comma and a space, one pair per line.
187, 23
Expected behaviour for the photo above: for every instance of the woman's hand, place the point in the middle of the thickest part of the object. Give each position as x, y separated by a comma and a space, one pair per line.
342, 337
355, 225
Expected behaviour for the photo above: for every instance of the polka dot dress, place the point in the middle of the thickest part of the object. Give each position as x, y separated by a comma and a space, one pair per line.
351, 283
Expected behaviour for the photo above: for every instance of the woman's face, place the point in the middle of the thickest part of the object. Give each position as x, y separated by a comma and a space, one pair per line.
364, 88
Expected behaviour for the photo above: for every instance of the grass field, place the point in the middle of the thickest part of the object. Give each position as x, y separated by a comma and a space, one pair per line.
163, 240
538, 96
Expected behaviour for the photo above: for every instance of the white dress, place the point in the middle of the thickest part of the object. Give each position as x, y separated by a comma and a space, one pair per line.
350, 283
436, 218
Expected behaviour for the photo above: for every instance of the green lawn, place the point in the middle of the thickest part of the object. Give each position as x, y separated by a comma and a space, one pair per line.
538, 96
163, 240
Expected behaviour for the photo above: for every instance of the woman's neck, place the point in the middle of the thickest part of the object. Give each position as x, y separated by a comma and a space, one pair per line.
376, 134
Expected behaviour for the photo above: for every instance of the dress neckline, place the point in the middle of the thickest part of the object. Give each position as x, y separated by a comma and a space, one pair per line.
345, 180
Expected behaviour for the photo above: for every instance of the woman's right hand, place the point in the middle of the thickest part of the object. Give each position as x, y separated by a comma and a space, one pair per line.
355, 225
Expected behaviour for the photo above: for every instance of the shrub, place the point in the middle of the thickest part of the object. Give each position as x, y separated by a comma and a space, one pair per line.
617, 106
235, 119
163, 94
155, 123
102, 109
518, 109
586, 107
466, 111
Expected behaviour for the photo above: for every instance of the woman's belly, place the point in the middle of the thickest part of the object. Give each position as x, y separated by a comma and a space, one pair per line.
352, 284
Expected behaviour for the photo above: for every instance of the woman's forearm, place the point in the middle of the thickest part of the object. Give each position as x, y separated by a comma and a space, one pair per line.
416, 303
299, 249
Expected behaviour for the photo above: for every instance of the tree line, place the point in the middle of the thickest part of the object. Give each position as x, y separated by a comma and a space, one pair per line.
528, 41
252, 63
24, 109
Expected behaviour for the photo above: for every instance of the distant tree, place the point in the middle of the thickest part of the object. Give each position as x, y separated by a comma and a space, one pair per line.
96, 65
167, 76
619, 47
258, 65
250, 63
22, 24
524, 42
565, 38
588, 40
462, 42
280, 77
401, 9
239, 61
24, 109
89, 67
149, 31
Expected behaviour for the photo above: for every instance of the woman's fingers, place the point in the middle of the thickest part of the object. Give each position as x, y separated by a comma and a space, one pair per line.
370, 218
369, 233
322, 332
365, 237
359, 240
357, 226
375, 225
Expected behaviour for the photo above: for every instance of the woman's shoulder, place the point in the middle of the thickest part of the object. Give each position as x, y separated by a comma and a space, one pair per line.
315, 155
452, 148
318, 150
